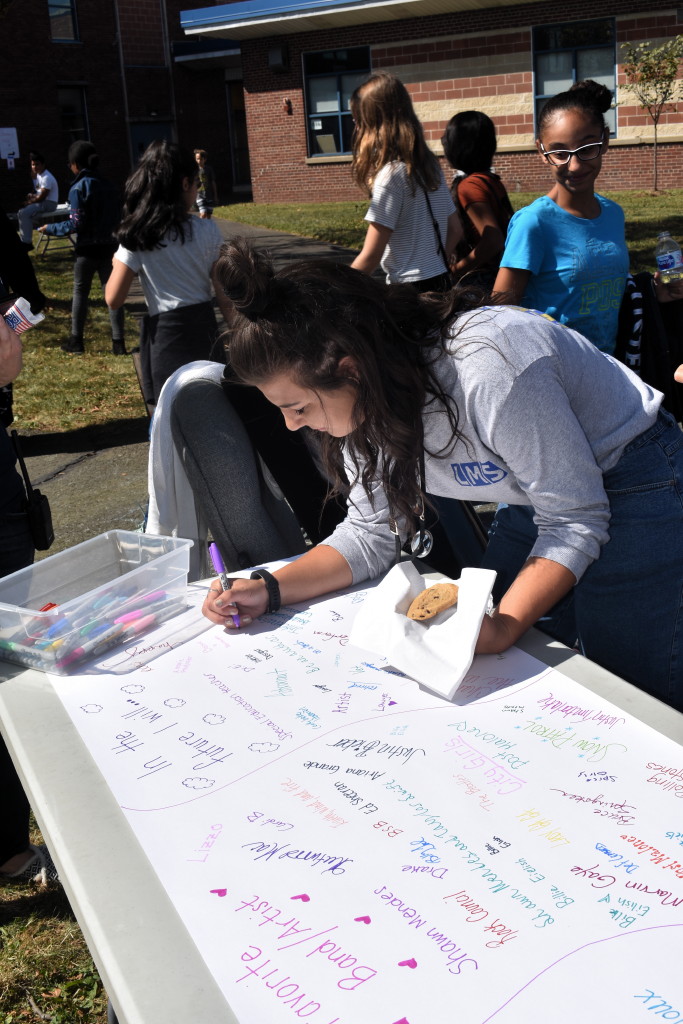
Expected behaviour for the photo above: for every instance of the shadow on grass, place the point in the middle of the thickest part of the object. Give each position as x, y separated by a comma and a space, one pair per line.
31, 901
115, 434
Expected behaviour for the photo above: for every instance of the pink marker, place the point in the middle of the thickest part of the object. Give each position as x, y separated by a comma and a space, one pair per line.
140, 624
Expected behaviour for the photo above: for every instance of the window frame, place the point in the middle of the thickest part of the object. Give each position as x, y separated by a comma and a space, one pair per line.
66, 7
342, 116
73, 134
540, 98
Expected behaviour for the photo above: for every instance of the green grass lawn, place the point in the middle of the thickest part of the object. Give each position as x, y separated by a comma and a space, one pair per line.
342, 223
60, 392
46, 973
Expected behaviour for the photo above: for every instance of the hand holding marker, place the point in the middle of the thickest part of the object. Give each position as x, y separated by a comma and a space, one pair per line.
223, 578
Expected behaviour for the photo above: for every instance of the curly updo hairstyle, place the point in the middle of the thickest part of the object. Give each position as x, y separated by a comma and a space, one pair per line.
589, 97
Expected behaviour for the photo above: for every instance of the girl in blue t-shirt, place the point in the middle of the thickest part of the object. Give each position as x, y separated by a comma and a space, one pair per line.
566, 253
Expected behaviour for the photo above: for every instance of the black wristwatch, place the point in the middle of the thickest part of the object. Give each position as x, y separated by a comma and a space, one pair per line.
272, 586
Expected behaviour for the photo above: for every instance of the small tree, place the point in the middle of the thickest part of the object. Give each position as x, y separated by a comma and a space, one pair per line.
651, 73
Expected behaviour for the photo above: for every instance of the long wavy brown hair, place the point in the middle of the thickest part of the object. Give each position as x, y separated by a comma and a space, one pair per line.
304, 320
387, 129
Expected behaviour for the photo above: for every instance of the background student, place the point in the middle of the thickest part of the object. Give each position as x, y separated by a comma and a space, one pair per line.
469, 145
207, 194
95, 214
412, 223
43, 198
566, 256
173, 253
566, 253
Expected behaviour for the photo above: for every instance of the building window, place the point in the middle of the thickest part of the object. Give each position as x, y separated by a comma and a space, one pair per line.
73, 113
63, 24
331, 78
565, 54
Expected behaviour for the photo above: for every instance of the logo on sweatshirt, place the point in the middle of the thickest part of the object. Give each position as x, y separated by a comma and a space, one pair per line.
477, 474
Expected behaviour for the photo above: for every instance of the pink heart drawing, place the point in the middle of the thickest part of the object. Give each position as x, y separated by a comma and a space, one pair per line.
219, 892
303, 897
412, 963
363, 920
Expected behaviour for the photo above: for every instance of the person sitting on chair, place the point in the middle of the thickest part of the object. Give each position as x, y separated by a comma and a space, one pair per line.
43, 198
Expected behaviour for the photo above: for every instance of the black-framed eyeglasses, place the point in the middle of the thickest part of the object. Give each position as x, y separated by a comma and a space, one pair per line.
561, 157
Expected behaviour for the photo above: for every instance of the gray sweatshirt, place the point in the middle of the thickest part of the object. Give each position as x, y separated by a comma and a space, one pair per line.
543, 414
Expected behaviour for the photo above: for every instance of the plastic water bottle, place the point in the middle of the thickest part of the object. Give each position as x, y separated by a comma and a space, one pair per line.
669, 258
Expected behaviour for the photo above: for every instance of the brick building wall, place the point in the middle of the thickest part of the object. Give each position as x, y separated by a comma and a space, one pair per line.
492, 52
33, 67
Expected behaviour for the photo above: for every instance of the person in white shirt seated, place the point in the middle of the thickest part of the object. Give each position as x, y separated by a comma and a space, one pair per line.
43, 198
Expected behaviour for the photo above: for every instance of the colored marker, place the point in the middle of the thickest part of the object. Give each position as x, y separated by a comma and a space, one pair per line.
80, 638
147, 607
219, 566
109, 638
26, 654
171, 609
225, 582
117, 594
56, 629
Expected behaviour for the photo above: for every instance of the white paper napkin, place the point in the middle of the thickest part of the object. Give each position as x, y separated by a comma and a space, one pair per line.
436, 653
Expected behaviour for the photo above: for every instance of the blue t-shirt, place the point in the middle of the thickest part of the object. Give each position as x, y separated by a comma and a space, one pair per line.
578, 267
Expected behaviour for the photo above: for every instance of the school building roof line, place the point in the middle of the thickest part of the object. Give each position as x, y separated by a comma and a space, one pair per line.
251, 18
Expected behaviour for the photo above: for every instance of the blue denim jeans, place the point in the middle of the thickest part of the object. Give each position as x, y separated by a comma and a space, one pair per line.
628, 606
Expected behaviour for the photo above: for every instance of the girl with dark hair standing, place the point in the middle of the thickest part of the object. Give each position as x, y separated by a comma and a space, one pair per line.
566, 253
469, 145
412, 223
173, 253
566, 256
410, 393
95, 213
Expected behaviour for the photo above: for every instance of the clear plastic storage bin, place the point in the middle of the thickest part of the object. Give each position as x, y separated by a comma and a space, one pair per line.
82, 602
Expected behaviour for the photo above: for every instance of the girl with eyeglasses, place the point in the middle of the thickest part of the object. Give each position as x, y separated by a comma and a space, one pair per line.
566, 256
566, 253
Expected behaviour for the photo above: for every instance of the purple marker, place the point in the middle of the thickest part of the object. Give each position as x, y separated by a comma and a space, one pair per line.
225, 582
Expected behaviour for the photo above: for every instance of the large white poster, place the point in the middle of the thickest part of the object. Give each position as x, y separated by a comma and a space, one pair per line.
347, 849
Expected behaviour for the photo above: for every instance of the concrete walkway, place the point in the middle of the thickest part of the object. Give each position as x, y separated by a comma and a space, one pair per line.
96, 478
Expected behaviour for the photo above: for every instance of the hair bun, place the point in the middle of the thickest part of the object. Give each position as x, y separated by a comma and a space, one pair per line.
597, 95
247, 277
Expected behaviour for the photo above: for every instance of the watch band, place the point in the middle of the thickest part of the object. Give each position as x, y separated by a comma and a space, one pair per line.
272, 586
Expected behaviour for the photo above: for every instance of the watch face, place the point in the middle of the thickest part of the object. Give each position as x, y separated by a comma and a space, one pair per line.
421, 544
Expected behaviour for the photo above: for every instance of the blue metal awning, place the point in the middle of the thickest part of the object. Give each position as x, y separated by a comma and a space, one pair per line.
253, 18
